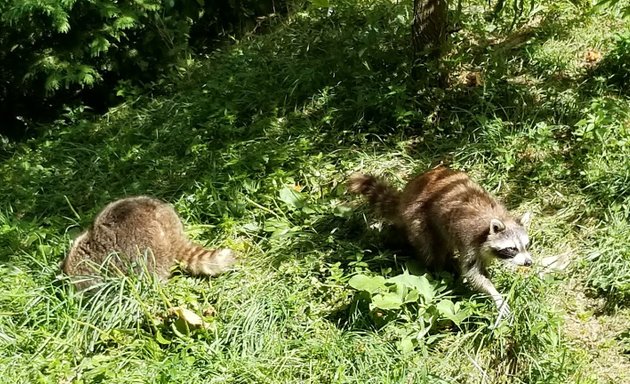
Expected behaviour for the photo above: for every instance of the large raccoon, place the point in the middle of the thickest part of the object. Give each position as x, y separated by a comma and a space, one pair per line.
451, 222
133, 229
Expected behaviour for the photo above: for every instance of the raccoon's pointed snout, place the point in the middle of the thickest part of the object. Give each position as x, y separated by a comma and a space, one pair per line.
523, 259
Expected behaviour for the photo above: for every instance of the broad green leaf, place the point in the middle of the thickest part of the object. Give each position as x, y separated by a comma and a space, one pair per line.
190, 318
406, 279
388, 300
342, 210
399, 288
451, 311
420, 283
251, 227
160, 339
412, 296
277, 227
370, 284
446, 308
291, 198
425, 289
406, 345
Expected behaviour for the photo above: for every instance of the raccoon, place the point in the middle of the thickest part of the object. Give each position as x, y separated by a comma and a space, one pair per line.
452, 223
134, 228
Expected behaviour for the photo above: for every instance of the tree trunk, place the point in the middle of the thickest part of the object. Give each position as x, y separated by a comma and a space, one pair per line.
429, 29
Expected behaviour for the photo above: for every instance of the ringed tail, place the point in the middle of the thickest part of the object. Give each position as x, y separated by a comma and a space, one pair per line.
382, 196
198, 260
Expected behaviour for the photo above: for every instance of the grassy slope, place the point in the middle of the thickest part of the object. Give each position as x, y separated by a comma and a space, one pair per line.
302, 107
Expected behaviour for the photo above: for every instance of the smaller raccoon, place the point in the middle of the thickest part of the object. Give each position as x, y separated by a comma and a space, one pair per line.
451, 222
128, 229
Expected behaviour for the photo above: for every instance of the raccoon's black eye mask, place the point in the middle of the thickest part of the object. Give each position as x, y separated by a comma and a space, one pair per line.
506, 253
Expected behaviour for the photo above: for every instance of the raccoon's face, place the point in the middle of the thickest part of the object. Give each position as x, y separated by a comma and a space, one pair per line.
509, 241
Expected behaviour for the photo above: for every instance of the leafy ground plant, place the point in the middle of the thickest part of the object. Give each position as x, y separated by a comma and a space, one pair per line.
395, 293
409, 299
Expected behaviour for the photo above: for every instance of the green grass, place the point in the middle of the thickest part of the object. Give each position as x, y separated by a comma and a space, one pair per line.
253, 145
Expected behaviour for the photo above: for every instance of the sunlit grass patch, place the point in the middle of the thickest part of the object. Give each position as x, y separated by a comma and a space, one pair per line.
253, 146
608, 259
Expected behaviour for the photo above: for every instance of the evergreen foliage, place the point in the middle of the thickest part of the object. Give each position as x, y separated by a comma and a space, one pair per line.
53, 50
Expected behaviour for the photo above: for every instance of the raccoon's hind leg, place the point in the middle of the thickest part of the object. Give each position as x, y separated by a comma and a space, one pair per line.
198, 260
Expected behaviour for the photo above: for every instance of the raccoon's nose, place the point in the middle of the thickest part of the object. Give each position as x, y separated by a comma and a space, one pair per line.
528, 262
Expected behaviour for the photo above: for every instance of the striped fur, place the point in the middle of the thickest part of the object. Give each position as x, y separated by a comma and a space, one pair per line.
136, 229
451, 222
383, 198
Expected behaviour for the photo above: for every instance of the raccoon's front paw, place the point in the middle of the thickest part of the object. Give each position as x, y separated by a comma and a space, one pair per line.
504, 312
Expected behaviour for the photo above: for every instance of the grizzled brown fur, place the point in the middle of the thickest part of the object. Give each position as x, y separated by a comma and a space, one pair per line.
451, 222
135, 228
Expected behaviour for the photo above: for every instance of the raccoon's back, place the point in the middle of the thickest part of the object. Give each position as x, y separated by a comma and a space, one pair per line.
126, 231
449, 205
140, 221
142, 212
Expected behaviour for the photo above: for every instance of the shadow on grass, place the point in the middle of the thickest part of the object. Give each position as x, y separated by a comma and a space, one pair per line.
262, 106
316, 84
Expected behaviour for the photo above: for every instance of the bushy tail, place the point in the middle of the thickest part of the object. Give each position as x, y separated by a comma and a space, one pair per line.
382, 197
198, 260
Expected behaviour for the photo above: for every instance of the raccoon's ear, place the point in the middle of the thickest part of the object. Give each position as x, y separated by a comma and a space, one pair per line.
526, 219
496, 226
